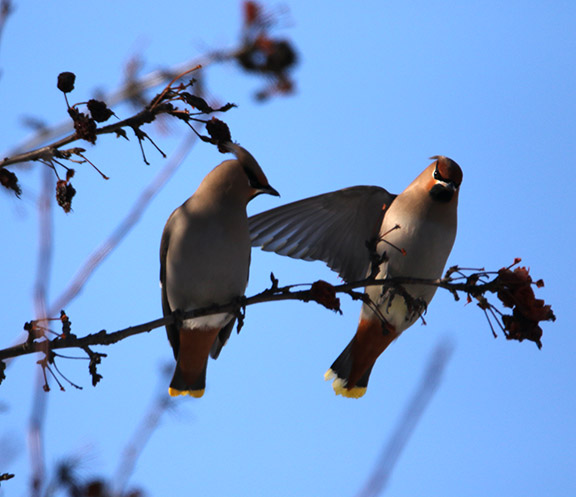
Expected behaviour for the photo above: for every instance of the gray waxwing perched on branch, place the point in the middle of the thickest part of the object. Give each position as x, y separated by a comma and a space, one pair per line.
205, 260
409, 235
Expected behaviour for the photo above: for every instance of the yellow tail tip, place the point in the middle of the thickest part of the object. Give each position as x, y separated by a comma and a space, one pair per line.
339, 386
329, 375
173, 392
352, 393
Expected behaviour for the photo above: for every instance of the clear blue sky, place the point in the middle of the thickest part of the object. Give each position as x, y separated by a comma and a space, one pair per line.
381, 86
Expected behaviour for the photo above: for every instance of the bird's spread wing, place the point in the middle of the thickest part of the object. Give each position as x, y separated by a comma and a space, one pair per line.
334, 228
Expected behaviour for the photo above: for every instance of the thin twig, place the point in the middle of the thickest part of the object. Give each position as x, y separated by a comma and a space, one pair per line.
49, 151
168, 87
144, 431
38, 411
6, 9
45, 244
126, 92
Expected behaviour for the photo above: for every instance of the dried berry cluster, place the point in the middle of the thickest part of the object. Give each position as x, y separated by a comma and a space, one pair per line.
65, 192
217, 129
66, 325
66, 81
38, 332
99, 111
67, 481
514, 289
86, 127
219, 133
9, 180
84, 124
516, 293
265, 55
325, 294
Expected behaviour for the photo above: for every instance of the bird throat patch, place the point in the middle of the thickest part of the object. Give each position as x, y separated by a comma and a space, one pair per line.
441, 193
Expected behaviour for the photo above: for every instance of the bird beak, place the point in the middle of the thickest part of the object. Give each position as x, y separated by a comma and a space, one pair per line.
269, 190
450, 186
264, 189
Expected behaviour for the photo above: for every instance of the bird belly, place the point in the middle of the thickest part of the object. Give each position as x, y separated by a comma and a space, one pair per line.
399, 312
412, 250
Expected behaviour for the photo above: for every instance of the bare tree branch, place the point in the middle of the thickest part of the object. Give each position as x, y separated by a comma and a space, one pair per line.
513, 288
6, 9
144, 431
257, 52
68, 476
38, 411
86, 126
132, 88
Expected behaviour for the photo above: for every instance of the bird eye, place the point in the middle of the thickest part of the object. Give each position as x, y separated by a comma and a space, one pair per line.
252, 179
437, 175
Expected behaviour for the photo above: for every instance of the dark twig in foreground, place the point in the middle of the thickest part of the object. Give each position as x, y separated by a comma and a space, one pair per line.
391, 451
160, 405
6, 9
36, 334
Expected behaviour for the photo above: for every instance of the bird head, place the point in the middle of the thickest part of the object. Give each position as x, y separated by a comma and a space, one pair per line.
256, 178
445, 180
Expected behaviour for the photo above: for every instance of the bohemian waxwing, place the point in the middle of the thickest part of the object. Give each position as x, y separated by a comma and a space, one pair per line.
204, 260
413, 234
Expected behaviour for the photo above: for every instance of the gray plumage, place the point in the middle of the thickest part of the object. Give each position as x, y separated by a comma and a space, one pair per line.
205, 260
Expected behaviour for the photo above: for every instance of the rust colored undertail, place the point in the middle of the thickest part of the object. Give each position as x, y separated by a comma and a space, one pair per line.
190, 373
351, 370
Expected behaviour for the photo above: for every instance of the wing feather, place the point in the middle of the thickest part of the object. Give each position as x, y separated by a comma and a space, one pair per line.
333, 227
171, 330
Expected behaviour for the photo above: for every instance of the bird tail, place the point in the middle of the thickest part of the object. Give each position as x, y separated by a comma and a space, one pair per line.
181, 384
341, 371
193, 351
350, 372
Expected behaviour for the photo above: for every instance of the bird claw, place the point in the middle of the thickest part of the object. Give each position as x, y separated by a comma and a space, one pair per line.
416, 306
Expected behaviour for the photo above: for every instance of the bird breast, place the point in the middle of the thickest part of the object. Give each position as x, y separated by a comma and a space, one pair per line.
419, 247
417, 238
